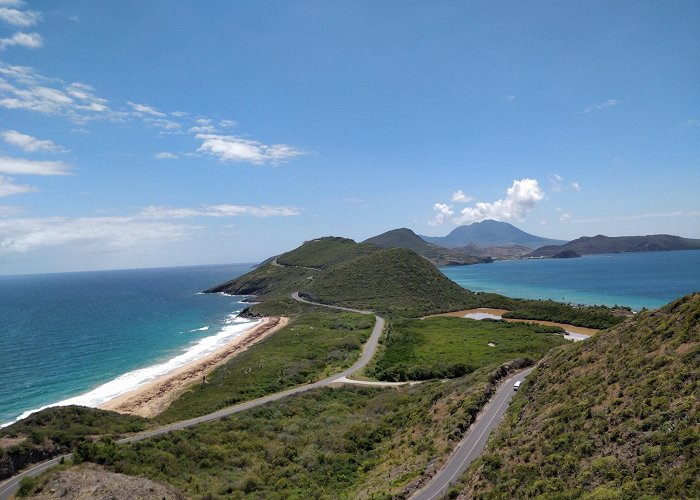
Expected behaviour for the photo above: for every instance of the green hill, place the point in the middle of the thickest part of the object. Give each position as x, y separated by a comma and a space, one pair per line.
616, 244
405, 238
617, 416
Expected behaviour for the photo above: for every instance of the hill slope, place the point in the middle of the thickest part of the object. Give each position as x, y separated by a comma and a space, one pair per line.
617, 416
490, 233
615, 244
405, 238
340, 271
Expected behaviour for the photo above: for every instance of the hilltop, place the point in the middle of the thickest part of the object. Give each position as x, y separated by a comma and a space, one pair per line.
339, 271
613, 417
616, 244
440, 256
490, 233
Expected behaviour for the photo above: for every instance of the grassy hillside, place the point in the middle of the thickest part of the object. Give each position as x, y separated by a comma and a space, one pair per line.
617, 416
347, 442
394, 281
405, 238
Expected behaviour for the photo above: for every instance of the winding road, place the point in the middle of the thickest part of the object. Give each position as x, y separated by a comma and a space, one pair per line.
470, 448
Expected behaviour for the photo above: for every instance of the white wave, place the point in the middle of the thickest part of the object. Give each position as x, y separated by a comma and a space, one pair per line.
132, 380
203, 329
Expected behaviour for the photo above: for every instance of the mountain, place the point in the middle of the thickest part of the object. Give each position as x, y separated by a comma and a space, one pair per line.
490, 233
393, 281
617, 244
440, 256
615, 416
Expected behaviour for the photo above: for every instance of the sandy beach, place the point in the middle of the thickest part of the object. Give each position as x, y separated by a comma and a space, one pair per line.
500, 312
154, 397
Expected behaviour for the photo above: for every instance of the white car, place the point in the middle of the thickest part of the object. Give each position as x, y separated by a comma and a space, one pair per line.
516, 385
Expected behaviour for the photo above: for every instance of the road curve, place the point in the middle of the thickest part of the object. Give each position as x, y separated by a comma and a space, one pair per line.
11, 485
473, 443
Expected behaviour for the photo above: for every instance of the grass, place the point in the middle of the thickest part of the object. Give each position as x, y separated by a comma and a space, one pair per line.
448, 347
312, 346
329, 443
616, 416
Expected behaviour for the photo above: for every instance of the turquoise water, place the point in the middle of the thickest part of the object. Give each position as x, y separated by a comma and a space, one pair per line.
636, 280
85, 337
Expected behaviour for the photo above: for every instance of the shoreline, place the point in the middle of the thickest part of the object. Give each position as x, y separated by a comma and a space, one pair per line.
155, 396
579, 330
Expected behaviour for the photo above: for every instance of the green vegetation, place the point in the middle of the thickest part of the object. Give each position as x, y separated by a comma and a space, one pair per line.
394, 282
449, 347
54, 431
311, 347
405, 238
614, 417
328, 443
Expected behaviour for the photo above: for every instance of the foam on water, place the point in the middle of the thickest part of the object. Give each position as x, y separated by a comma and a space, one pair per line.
234, 326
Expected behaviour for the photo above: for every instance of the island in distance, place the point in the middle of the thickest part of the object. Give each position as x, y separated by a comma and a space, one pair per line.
490, 240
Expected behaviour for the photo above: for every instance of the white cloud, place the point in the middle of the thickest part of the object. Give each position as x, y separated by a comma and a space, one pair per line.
12, 3
29, 40
520, 198
691, 123
21, 235
459, 197
163, 124
557, 184
21, 166
601, 105
144, 109
30, 144
444, 211
509, 98
234, 148
9, 188
223, 210
165, 156
7, 210
16, 17
563, 216
22, 88
227, 123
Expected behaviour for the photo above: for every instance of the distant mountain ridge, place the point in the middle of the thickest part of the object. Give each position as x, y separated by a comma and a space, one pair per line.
490, 233
405, 238
620, 244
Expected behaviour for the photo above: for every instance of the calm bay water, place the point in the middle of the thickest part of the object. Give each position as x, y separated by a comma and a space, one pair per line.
93, 335
636, 280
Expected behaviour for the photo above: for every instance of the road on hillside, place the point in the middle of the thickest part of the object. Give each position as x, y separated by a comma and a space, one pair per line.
11, 485
473, 443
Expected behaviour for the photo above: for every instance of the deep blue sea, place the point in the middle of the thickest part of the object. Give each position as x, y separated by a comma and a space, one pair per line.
636, 280
86, 337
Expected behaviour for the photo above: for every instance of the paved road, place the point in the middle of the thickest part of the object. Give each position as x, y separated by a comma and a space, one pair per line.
8, 487
473, 443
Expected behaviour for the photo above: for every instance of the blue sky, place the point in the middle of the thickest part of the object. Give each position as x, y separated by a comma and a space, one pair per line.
137, 134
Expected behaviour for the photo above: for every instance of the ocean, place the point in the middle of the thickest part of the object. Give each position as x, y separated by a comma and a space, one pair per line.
84, 338
637, 280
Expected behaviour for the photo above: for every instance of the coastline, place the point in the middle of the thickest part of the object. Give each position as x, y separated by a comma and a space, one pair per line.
579, 330
155, 396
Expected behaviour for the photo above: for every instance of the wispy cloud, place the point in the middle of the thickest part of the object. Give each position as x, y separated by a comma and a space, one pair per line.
145, 109
8, 210
8, 187
23, 18
601, 105
19, 235
222, 210
558, 184
165, 156
28, 40
31, 144
237, 149
21, 166
520, 198
509, 98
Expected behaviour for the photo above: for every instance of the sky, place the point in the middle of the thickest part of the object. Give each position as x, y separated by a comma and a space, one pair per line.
159, 133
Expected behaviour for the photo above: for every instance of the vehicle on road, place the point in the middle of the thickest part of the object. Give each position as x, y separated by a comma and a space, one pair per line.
516, 385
